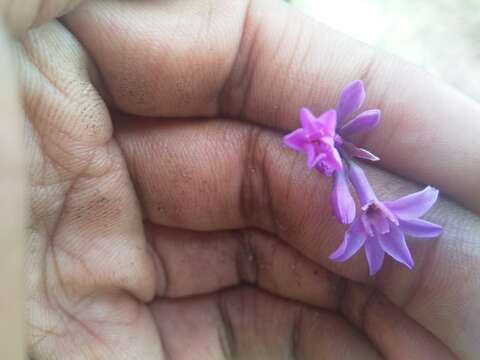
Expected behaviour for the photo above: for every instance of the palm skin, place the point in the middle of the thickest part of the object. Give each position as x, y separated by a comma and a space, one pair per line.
168, 222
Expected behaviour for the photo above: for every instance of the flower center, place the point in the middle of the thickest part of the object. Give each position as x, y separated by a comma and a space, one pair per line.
374, 220
372, 209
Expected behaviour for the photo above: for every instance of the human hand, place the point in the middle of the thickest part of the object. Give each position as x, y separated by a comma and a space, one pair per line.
168, 221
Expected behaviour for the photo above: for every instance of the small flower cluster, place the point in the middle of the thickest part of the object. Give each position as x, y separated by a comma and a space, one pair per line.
381, 226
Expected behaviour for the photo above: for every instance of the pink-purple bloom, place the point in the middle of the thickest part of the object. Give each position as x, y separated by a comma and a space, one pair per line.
316, 138
319, 137
381, 226
323, 138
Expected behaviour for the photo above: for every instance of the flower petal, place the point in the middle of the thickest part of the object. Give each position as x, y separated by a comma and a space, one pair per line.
394, 244
296, 139
360, 182
312, 157
414, 205
420, 228
341, 199
307, 119
375, 255
328, 140
365, 121
352, 242
335, 160
367, 227
380, 223
351, 98
328, 121
354, 151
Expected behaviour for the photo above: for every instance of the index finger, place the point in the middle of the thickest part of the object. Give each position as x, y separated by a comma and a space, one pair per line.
429, 132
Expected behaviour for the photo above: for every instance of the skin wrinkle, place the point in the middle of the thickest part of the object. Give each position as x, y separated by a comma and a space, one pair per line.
296, 335
246, 258
266, 189
51, 245
291, 175
166, 352
55, 244
28, 50
357, 319
266, 259
45, 334
248, 191
363, 311
244, 63
366, 75
57, 304
166, 278
229, 346
294, 53
232, 82
70, 315
160, 270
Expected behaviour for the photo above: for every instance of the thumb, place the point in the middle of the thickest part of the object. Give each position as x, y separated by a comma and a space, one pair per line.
15, 19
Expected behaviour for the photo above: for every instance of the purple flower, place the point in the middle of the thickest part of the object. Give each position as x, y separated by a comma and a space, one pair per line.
322, 138
316, 137
351, 99
382, 225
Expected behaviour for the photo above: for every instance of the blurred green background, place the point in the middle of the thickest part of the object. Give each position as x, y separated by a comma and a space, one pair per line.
443, 36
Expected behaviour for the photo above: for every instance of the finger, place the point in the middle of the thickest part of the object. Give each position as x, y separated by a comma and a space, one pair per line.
12, 208
222, 175
191, 263
394, 333
287, 61
195, 263
248, 324
261, 61
186, 50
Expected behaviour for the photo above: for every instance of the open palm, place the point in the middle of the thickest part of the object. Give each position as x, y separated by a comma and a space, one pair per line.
169, 222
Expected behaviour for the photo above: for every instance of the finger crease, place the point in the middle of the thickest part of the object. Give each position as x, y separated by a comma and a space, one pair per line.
246, 261
227, 335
